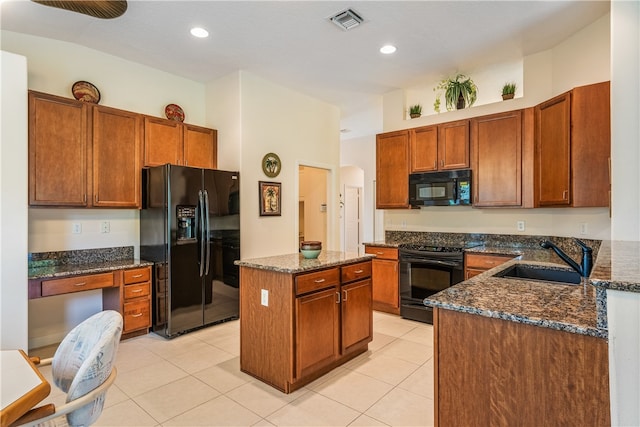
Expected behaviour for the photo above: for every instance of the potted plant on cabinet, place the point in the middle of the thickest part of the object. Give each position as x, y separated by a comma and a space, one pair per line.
508, 90
459, 92
415, 111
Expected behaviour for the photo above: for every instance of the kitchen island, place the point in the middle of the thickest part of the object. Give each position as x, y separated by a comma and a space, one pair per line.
519, 352
301, 318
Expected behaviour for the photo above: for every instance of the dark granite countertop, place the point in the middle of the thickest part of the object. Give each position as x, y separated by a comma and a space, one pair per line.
47, 265
570, 308
48, 272
617, 266
296, 263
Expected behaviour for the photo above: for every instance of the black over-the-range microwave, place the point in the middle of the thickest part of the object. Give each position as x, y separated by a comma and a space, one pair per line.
447, 188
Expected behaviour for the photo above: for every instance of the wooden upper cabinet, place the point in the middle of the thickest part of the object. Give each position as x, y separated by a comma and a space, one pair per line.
440, 147
200, 147
162, 141
553, 168
177, 143
58, 129
424, 149
496, 147
591, 144
573, 144
117, 146
453, 145
392, 170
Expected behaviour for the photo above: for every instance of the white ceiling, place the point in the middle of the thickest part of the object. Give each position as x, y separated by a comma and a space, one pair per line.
292, 43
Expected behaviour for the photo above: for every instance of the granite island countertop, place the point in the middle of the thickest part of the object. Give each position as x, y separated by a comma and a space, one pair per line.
296, 263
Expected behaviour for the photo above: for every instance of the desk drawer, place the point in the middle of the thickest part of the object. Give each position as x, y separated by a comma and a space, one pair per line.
76, 284
310, 282
357, 271
137, 290
136, 315
137, 275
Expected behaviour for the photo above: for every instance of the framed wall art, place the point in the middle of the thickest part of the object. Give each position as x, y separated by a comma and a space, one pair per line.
270, 198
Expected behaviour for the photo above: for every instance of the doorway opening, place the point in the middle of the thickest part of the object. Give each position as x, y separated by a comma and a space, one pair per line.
313, 197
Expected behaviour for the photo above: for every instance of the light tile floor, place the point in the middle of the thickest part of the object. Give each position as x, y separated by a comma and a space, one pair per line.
195, 380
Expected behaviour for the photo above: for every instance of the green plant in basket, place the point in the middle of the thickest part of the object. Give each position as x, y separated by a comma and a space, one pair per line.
459, 92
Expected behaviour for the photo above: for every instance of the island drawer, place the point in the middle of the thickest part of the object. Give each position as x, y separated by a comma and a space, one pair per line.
136, 315
357, 271
76, 284
137, 290
137, 275
381, 252
315, 281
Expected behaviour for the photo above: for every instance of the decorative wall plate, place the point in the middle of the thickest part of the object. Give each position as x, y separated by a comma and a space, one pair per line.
174, 112
85, 92
271, 165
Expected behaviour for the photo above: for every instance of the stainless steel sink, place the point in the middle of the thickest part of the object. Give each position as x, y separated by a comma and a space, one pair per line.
540, 273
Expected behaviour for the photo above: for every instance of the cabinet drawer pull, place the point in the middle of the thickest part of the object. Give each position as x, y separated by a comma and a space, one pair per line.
319, 280
80, 284
135, 291
359, 271
379, 253
136, 315
135, 276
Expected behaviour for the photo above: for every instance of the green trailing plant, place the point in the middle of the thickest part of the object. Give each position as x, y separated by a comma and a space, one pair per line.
509, 88
453, 89
415, 110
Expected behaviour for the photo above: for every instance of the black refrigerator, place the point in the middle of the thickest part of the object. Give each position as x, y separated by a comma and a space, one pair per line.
190, 230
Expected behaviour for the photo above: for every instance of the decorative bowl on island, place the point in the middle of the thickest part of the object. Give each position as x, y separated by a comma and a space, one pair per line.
310, 249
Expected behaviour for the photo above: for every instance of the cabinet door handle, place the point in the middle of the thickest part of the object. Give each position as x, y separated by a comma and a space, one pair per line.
80, 284
318, 280
337, 297
135, 276
565, 195
136, 315
359, 271
442, 163
344, 295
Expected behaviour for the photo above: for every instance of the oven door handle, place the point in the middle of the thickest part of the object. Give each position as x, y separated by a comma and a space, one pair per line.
431, 262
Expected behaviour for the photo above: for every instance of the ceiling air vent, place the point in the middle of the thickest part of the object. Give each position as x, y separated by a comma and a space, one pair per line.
347, 19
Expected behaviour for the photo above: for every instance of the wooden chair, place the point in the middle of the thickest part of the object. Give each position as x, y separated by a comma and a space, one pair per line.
83, 367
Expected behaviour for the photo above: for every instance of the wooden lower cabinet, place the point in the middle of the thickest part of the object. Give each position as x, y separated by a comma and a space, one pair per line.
136, 305
306, 325
475, 264
493, 372
385, 278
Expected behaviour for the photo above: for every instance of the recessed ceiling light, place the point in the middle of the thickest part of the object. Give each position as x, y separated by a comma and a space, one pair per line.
387, 49
199, 32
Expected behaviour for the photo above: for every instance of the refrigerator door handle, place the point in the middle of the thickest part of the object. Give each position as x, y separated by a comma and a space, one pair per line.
207, 234
202, 231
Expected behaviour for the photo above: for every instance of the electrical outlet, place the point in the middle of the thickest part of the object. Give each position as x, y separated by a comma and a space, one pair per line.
584, 229
520, 225
105, 227
264, 297
76, 228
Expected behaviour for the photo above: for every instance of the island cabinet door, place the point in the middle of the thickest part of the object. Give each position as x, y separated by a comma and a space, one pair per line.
317, 330
357, 315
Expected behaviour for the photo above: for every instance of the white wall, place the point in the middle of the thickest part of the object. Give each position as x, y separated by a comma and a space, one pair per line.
224, 114
581, 59
301, 131
623, 308
313, 191
13, 202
